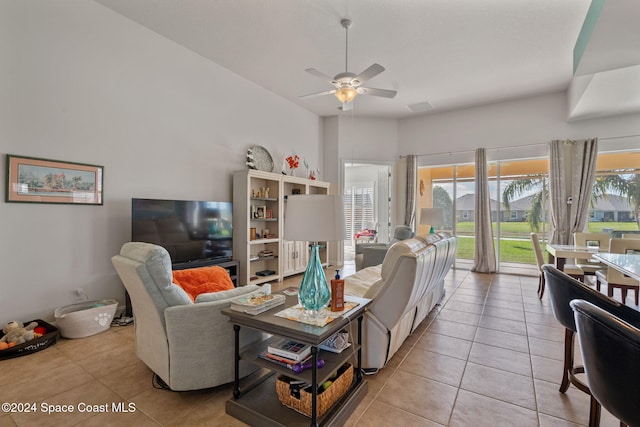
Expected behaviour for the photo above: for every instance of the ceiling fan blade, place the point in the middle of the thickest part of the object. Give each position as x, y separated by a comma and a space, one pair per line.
326, 92
320, 74
369, 73
377, 92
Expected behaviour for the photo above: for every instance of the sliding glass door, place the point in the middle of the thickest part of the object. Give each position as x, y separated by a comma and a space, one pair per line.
615, 203
519, 202
518, 205
522, 208
451, 188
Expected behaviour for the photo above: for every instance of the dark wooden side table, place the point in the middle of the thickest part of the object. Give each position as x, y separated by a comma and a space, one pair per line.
258, 404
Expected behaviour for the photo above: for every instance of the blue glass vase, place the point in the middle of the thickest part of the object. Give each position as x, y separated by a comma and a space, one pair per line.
314, 292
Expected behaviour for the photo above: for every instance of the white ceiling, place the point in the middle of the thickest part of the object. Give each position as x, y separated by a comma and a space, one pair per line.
449, 53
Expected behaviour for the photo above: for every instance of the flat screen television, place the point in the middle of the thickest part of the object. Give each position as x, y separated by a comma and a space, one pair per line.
195, 233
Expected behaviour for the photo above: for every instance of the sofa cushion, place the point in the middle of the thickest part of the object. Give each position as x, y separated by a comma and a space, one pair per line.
361, 283
223, 295
430, 239
156, 261
408, 246
203, 280
374, 289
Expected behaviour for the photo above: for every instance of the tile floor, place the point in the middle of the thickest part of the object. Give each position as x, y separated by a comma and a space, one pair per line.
491, 355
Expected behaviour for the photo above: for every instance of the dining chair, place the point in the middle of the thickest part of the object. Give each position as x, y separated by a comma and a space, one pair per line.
610, 349
601, 240
616, 279
570, 269
562, 290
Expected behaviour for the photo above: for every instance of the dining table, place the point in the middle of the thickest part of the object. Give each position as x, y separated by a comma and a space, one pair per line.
628, 264
558, 254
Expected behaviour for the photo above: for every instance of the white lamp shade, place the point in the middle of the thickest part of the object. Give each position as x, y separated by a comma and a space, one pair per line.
314, 217
432, 216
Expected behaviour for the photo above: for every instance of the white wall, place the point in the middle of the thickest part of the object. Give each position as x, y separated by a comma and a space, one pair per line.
331, 157
348, 139
368, 140
527, 121
80, 83
362, 140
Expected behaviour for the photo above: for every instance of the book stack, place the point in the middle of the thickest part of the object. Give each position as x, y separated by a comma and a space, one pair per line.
287, 353
256, 303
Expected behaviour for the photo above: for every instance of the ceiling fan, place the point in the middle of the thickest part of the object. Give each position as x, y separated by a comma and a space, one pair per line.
348, 85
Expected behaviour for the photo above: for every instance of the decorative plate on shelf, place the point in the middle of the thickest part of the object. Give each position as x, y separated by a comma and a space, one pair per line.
259, 158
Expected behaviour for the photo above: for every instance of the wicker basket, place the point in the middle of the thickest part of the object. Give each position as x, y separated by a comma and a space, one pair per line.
86, 318
288, 395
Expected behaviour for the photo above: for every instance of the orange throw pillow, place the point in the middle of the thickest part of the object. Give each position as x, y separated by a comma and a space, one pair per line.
203, 280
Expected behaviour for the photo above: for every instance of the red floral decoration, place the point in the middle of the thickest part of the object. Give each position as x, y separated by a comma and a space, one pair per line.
293, 161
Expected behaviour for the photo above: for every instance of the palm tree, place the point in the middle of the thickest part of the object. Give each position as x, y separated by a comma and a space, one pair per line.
624, 182
519, 186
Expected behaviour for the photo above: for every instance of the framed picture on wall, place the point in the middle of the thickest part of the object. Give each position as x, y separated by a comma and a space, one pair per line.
35, 180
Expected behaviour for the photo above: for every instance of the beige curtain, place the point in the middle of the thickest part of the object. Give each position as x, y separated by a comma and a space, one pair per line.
585, 157
572, 170
558, 212
412, 195
485, 254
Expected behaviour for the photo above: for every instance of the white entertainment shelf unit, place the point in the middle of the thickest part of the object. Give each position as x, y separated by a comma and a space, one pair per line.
259, 200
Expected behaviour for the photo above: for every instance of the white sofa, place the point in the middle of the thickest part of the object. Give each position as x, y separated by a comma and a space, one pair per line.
404, 289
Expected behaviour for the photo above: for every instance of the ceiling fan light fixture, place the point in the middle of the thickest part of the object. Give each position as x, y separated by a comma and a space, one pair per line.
346, 94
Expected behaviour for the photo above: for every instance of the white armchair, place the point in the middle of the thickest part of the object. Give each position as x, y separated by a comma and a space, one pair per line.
189, 345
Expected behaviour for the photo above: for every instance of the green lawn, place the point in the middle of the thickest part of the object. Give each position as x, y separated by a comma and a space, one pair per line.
596, 227
522, 229
519, 251
515, 245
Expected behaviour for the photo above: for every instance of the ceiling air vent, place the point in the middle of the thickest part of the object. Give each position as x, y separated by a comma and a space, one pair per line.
422, 106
